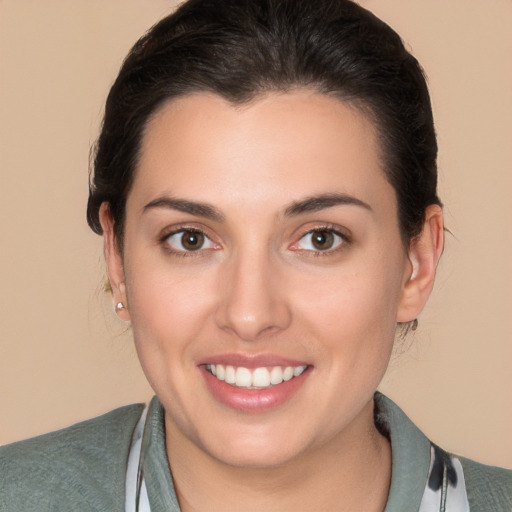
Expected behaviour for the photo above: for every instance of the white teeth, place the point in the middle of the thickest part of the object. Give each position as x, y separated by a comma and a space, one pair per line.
220, 372
276, 375
243, 377
298, 370
258, 378
261, 378
229, 376
288, 373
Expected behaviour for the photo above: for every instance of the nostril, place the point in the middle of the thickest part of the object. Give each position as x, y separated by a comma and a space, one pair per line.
251, 303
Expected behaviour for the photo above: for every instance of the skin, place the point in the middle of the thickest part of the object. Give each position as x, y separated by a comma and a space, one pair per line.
258, 286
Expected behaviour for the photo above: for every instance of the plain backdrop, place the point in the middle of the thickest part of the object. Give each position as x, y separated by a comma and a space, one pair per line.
65, 357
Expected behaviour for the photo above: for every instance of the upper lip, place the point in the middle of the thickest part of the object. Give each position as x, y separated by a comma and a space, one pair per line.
252, 360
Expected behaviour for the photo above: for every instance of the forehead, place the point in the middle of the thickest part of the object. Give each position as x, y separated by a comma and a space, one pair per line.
280, 145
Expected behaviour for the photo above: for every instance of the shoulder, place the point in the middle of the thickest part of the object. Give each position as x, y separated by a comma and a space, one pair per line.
416, 461
81, 467
488, 487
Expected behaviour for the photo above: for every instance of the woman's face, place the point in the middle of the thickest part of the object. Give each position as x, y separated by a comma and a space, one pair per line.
262, 245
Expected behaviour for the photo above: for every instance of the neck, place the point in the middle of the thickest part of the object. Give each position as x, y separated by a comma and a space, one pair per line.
352, 471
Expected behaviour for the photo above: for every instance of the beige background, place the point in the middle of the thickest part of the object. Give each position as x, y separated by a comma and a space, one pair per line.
64, 356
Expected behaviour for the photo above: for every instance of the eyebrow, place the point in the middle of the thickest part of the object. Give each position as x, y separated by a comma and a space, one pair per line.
310, 204
317, 203
183, 205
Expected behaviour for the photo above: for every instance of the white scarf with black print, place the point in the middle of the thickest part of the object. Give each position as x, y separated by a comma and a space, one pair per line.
446, 489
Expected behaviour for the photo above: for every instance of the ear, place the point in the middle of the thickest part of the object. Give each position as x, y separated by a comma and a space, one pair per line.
424, 253
114, 262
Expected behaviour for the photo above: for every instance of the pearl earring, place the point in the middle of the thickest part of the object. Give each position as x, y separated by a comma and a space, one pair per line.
119, 306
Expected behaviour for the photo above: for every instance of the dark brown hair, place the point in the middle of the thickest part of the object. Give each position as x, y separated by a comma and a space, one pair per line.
242, 48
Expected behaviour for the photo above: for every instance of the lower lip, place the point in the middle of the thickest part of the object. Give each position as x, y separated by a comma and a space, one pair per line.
253, 400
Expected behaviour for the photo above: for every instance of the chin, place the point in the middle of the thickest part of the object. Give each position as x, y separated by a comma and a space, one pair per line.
260, 457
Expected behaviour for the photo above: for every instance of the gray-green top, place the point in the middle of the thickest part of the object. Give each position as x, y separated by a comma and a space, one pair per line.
83, 467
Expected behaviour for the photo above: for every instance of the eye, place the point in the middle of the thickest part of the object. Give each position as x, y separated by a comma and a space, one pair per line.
189, 240
319, 240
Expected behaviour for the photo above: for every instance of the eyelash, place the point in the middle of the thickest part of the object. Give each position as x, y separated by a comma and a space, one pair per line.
344, 241
318, 253
164, 241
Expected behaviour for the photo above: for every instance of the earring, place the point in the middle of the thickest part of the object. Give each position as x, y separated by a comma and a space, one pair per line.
120, 306
414, 325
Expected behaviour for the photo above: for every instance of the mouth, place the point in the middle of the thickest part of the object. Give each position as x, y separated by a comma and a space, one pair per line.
257, 378
254, 383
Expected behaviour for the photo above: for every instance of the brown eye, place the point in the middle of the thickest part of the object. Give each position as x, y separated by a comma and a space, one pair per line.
192, 241
189, 240
320, 240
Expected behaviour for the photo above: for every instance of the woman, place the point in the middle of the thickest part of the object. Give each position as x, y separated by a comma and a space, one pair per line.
265, 181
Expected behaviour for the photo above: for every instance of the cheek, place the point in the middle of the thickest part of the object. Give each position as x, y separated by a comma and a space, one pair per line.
368, 297
164, 303
353, 314
168, 311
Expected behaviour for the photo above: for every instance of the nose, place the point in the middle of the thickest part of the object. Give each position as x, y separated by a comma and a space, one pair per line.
253, 298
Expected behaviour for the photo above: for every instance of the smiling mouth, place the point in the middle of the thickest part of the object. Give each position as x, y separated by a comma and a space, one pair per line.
257, 378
